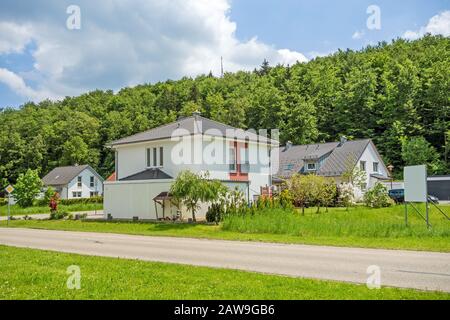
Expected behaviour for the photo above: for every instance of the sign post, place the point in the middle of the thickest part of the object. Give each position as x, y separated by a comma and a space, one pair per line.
9, 189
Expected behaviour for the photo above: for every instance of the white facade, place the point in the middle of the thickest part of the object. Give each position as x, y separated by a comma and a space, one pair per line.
86, 185
197, 153
372, 164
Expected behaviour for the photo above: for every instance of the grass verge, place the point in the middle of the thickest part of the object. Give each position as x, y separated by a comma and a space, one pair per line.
16, 210
36, 274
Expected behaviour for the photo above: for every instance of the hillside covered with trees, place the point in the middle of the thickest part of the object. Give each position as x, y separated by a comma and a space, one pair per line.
397, 94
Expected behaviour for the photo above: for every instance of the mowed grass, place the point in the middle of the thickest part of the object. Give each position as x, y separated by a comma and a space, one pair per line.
17, 210
358, 227
359, 224
36, 274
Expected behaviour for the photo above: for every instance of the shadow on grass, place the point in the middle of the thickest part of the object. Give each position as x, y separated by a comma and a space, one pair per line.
154, 225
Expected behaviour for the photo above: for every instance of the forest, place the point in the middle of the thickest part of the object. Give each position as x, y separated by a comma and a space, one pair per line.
395, 93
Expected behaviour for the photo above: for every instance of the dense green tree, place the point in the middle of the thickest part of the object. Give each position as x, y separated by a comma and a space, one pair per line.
76, 151
417, 151
387, 92
27, 187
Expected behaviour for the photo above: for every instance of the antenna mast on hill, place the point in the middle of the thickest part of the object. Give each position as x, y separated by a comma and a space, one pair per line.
221, 67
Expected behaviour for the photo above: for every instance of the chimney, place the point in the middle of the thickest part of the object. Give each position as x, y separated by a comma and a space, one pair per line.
288, 145
343, 140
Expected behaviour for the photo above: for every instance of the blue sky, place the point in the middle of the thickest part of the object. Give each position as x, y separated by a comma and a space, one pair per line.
126, 42
323, 25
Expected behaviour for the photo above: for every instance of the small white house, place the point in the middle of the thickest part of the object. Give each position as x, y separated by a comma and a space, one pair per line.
147, 163
75, 182
333, 159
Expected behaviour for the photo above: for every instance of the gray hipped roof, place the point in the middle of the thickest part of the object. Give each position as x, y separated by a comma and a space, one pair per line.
63, 175
292, 159
343, 157
195, 124
336, 157
149, 174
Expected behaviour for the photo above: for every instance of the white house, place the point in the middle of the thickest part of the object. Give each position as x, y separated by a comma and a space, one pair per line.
333, 160
75, 182
147, 163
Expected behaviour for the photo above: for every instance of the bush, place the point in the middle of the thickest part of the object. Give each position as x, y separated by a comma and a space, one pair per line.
3, 201
58, 215
285, 199
68, 202
48, 194
378, 197
215, 213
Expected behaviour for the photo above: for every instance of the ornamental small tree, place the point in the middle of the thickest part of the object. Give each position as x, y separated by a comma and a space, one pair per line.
328, 193
299, 189
191, 189
27, 188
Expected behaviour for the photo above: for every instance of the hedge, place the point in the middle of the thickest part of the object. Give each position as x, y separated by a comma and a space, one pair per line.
68, 202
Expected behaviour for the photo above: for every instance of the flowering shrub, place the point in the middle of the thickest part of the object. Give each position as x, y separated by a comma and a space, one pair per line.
346, 195
378, 197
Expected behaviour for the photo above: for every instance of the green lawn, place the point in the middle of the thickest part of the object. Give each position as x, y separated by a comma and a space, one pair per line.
16, 210
35, 274
359, 227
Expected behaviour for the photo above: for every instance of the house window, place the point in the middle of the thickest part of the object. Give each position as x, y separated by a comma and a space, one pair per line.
148, 158
375, 166
94, 194
244, 161
91, 182
79, 182
152, 157
311, 166
233, 166
362, 165
76, 194
288, 167
155, 157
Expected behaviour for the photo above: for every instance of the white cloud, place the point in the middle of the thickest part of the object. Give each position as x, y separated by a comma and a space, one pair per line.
438, 24
13, 37
17, 85
291, 57
358, 34
124, 43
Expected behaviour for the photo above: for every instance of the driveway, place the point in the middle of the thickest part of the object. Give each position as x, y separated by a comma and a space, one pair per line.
409, 269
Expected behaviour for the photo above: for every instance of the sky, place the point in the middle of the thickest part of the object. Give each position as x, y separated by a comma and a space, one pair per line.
52, 49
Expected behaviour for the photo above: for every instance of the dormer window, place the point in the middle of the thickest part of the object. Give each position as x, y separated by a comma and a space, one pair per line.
311, 166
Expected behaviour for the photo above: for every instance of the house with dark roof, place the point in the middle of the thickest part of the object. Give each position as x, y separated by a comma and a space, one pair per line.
73, 182
147, 163
333, 159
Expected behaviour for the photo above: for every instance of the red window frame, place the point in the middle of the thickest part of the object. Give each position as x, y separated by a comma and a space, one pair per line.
238, 175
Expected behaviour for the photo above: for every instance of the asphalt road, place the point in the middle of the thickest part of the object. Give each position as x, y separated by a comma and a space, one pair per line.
410, 269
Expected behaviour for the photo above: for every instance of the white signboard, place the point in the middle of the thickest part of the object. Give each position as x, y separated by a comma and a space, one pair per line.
415, 183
